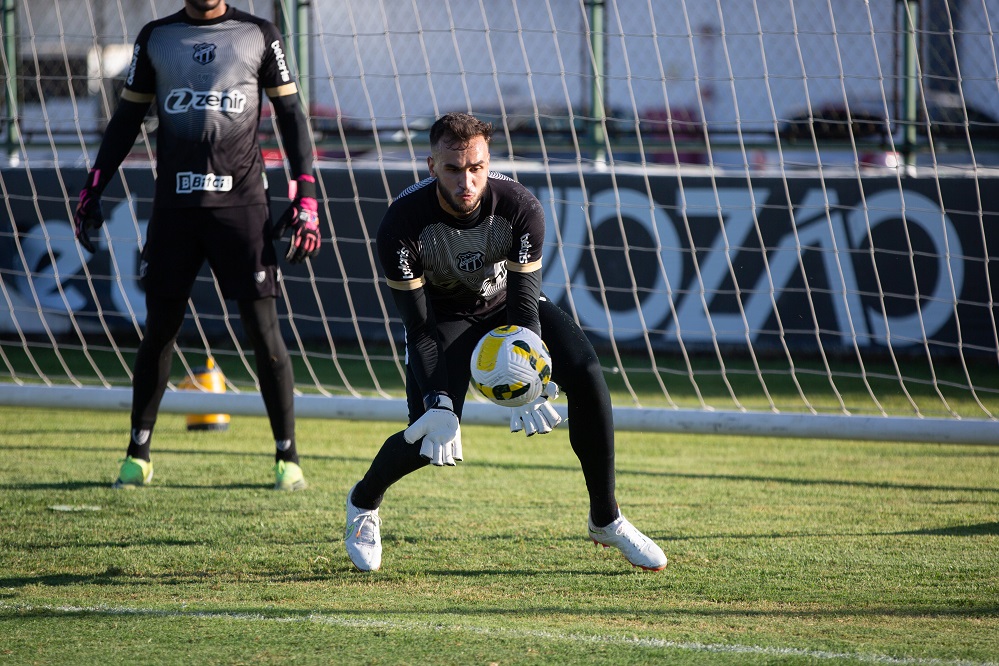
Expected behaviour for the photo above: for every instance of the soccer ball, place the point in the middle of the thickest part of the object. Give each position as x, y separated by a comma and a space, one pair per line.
511, 366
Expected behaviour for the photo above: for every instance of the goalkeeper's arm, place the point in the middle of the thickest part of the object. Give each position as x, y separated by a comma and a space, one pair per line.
523, 290
294, 128
119, 136
426, 354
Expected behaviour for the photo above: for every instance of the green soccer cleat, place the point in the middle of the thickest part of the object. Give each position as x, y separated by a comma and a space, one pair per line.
288, 476
134, 472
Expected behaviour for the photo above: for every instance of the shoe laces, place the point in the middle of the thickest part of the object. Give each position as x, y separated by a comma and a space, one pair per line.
365, 527
631, 533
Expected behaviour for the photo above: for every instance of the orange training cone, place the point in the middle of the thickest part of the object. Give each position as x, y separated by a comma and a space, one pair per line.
211, 379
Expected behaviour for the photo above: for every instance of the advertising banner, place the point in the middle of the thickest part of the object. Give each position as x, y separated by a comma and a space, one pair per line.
837, 262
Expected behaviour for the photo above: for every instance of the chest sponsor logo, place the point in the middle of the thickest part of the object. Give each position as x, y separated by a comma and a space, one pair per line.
204, 53
471, 261
188, 182
182, 100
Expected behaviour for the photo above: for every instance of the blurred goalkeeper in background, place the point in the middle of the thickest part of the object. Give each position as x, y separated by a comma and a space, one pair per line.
206, 67
461, 251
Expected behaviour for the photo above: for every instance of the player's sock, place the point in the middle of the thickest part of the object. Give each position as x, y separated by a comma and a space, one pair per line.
603, 514
138, 444
284, 449
394, 460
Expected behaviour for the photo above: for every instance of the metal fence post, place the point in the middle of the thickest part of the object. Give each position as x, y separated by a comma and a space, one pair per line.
11, 99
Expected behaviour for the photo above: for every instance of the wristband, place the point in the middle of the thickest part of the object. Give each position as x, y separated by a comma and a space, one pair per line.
305, 187
438, 400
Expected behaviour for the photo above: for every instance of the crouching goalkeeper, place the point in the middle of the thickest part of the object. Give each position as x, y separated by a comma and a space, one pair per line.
461, 251
207, 66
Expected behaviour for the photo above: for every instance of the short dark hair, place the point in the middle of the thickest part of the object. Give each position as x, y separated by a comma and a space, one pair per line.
457, 129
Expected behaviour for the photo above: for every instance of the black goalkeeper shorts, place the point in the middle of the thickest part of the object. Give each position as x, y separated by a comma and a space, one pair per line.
235, 242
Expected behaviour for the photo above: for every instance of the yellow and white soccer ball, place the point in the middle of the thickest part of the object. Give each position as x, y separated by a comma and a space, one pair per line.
511, 366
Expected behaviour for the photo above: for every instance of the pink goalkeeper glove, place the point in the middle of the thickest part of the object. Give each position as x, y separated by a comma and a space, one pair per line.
302, 217
88, 215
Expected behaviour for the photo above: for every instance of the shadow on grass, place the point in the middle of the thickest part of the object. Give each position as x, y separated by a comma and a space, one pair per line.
811, 482
266, 450
110, 576
461, 614
981, 529
87, 485
64, 485
307, 457
124, 543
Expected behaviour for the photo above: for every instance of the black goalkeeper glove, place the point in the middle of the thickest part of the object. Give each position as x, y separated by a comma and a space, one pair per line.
88, 215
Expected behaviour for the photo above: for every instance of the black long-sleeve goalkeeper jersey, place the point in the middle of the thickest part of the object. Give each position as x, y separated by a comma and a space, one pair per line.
462, 264
208, 78
441, 267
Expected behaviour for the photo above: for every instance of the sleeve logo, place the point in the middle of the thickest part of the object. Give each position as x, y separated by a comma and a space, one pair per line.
132, 65
282, 65
404, 266
524, 255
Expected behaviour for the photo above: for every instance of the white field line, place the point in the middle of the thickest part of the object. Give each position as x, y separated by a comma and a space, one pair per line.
636, 642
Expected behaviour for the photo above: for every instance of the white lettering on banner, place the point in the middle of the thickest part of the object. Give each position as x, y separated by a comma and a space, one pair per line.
820, 224
129, 234
934, 309
39, 301
674, 305
818, 227
735, 209
573, 240
43, 277
42, 301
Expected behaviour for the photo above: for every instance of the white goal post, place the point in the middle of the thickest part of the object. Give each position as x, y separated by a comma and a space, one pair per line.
771, 218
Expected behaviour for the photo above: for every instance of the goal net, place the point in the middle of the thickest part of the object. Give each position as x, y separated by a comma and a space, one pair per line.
774, 218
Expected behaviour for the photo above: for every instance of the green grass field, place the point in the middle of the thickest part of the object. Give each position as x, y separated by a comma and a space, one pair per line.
781, 551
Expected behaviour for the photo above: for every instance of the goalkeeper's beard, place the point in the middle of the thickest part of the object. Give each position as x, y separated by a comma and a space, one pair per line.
460, 207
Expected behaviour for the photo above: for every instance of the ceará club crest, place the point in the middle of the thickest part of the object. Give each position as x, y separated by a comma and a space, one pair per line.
204, 53
471, 261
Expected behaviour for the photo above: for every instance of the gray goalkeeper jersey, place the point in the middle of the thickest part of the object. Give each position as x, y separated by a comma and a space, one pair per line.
208, 78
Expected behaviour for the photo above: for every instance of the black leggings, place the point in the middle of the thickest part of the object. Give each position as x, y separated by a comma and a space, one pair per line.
576, 370
151, 373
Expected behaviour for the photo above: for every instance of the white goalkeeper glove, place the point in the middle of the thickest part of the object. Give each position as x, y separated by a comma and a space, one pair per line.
538, 417
440, 431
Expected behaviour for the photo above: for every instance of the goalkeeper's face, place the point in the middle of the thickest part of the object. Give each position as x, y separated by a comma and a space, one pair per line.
205, 9
461, 171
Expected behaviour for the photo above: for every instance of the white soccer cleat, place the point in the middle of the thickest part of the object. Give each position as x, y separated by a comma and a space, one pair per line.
363, 537
637, 548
